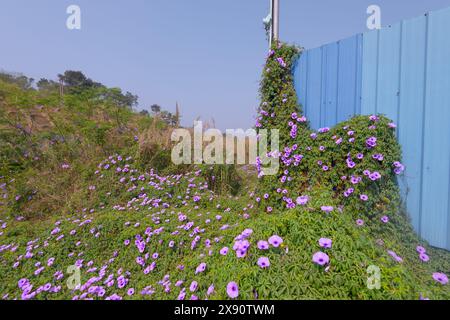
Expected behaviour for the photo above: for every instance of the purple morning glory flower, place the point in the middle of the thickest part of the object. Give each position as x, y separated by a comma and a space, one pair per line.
440, 277
262, 245
224, 251
210, 290
325, 243
241, 253
399, 168
263, 262
193, 286
327, 209
232, 290
421, 249
424, 257
371, 142
275, 241
281, 62
375, 176
321, 258
395, 256
302, 200
201, 268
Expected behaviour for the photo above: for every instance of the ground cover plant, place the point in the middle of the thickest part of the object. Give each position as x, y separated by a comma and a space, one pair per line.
94, 201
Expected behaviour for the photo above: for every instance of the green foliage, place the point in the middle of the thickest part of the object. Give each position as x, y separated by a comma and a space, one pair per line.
20, 80
40, 132
334, 168
291, 275
325, 155
222, 179
88, 129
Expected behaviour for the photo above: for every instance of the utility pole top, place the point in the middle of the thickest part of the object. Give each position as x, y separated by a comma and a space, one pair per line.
275, 19
271, 22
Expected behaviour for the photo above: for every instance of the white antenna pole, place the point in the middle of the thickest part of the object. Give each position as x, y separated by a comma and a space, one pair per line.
275, 19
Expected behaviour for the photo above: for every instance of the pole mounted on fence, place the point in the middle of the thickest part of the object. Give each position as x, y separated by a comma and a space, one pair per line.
271, 22
275, 19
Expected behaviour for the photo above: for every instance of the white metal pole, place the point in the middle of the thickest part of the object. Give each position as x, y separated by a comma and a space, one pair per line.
275, 19
271, 24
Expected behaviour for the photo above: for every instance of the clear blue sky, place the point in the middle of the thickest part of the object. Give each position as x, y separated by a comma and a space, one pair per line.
205, 54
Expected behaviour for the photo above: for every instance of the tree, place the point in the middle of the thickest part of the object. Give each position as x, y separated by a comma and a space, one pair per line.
47, 85
168, 118
116, 97
22, 81
155, 108
130, 99
76, 81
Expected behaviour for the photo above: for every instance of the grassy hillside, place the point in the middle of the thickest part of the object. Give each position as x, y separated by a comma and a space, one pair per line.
83, 184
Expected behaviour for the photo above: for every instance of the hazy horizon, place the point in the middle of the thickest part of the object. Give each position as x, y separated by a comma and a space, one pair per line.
207, 55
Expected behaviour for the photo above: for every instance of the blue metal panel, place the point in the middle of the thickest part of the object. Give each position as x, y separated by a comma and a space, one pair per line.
436, 165
323, 86
404, 72
359, 54
314, 87
331, 80
347, 78
388, 89
300, 78
369, 72
410, 122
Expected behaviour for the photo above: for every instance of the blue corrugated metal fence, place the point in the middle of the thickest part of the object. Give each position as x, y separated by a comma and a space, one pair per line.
402, 71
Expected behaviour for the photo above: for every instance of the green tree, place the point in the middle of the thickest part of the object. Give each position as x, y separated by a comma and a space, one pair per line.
76, 81
20, 80
155, 108
47, 85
